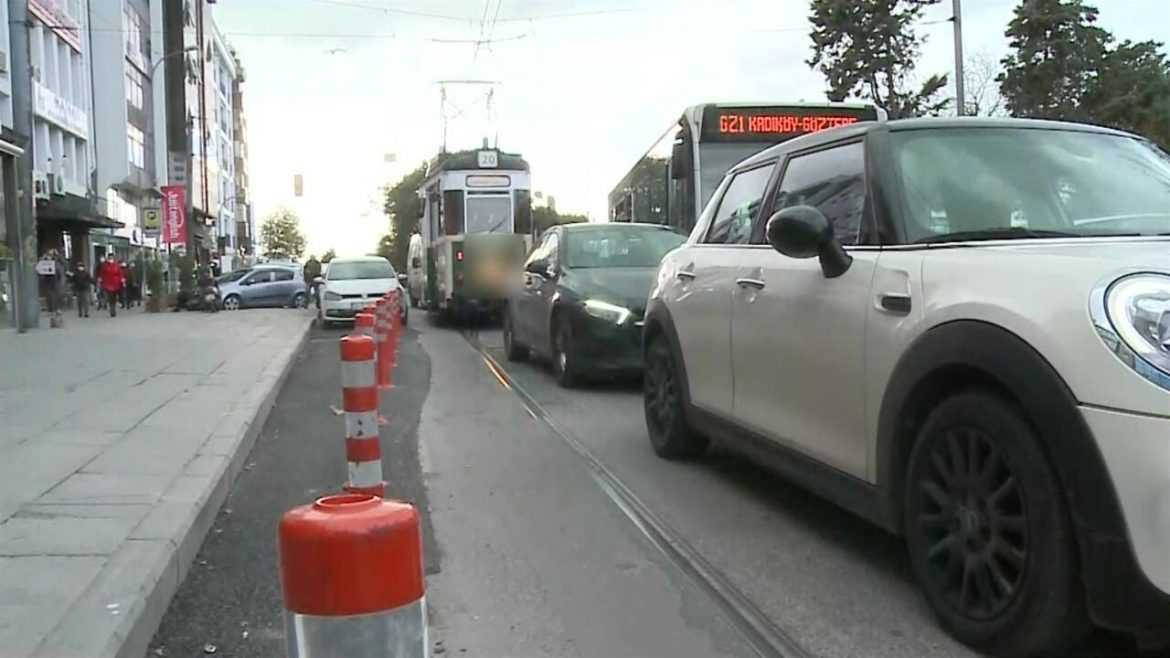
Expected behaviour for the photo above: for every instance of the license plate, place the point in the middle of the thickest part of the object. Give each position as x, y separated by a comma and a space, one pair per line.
357, 305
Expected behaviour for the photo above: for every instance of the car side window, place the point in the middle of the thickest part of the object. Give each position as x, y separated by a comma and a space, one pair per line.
263, 276
739, 206
832, 181
539, 250
283, 275
552, 251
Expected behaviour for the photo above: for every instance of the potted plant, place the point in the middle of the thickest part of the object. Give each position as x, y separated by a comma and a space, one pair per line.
154, 281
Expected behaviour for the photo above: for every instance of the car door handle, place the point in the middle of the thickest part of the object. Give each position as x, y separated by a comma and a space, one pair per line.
750, 283
684, 275
896, 303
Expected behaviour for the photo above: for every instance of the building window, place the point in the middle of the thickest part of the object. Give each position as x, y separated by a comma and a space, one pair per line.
136, 142
132, 28
134, 87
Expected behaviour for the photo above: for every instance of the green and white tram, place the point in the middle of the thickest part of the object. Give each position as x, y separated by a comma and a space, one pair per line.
476, 227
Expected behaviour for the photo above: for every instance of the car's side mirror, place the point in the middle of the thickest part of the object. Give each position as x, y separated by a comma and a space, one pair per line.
803, 232
246, 282
402, 278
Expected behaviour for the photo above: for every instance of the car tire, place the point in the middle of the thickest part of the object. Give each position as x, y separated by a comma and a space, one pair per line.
232, 303
299, 300
512, 349
662, 400
564, 361
989, 534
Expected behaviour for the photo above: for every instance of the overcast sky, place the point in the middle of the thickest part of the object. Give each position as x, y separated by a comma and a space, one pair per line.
335, 85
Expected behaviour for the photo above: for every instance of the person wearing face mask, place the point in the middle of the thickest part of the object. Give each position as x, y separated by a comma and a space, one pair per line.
82, 282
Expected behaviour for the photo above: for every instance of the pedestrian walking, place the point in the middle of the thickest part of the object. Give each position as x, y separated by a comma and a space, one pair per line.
111, 279
311, 271
124, 297
82, 284
97, 277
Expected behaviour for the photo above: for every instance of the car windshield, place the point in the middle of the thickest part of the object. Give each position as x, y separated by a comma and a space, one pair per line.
232, 276
1008, 182
619, 246
360, 269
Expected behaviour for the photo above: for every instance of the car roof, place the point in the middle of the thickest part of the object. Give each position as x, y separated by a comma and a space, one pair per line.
919, 123
358, 259
585, 226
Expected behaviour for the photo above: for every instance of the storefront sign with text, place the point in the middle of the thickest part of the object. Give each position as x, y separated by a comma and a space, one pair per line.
174, 210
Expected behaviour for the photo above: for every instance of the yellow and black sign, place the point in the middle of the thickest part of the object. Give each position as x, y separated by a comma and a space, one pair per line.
151, 219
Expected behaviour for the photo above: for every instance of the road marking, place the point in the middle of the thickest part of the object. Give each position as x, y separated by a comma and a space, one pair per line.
767, 638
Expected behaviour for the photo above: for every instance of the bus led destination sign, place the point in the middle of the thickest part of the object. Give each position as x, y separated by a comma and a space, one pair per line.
776, 124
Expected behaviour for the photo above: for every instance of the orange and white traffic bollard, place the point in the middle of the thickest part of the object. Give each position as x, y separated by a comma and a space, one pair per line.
382, 337
351, 572
359, 401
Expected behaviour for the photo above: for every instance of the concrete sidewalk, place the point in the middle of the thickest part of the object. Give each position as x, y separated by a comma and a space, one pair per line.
119, 439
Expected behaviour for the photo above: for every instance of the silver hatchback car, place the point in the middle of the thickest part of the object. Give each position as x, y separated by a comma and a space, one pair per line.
268, 285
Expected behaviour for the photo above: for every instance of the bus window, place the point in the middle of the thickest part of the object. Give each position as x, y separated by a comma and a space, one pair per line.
452, 212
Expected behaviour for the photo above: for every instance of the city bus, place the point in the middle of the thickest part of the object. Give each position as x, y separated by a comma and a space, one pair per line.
672, 182
475, 227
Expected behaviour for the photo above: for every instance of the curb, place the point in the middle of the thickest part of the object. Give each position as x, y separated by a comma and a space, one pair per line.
166, 542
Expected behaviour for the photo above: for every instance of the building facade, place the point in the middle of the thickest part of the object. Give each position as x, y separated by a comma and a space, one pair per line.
62, 142
127, 125
10, 149
246, 238
221, 160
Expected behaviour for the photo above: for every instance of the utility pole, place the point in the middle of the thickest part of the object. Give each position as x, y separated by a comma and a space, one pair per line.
960, 92
27, 301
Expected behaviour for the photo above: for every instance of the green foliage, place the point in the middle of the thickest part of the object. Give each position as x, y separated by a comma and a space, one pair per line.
329, 255
401, 205
5, 252
281, 236
1063, 66
154, 281
868, 48
185, 265
544, 218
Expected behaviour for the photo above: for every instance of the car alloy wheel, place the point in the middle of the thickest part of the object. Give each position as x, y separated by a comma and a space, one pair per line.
989, 534
299, 300
231, 303
563, 363
971, 512
513, 350
666, 424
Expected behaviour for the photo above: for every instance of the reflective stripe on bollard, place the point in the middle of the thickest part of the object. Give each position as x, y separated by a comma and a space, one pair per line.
359, 397
351, 573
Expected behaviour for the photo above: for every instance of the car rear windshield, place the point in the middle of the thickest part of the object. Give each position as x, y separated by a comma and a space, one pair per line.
620, 246
363, 269
988, 183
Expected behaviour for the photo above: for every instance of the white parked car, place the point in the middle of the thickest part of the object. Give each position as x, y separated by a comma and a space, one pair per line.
958, 329
349, 284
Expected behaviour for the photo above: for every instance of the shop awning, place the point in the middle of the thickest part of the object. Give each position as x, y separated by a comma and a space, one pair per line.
72, 213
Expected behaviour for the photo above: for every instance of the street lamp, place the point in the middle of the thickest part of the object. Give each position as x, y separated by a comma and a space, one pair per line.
160, 60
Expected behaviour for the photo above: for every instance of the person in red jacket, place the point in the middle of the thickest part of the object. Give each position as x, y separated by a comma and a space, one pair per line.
111, 278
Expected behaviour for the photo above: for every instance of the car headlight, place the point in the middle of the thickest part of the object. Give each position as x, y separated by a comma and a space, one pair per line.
331, 296
606, 311
1132, 316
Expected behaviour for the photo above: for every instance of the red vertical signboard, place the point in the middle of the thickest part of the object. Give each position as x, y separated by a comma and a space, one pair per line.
174, 209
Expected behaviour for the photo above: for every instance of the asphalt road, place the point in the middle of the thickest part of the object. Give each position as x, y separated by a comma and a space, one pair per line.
231, 597
551, 529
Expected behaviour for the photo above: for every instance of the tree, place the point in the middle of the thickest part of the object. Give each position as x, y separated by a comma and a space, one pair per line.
544, 217
401, 205
281, 236
329, 255
980, 73
1062, 66
1056, 55
868, 48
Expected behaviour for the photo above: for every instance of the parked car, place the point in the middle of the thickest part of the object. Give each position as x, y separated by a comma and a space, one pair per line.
349, 284
583, 296
961, 332
264, 285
